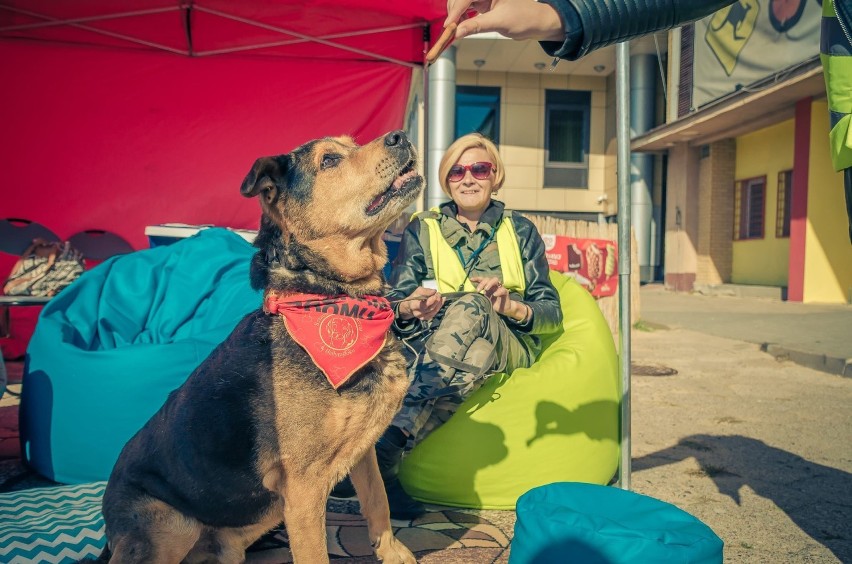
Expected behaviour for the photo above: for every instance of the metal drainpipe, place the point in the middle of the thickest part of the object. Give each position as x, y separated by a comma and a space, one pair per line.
442, 120
643, 102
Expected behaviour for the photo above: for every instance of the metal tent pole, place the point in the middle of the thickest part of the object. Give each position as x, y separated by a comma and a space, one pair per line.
427, 116
622, 116
441, 126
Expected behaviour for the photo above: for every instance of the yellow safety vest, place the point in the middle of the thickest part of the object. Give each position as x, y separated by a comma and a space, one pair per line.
448, 269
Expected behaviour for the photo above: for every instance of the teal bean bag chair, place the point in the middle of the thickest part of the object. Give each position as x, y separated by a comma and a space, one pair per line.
555, 421
109, 348
574, 522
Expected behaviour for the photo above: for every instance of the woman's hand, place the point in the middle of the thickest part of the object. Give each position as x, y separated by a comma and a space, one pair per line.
423, 303
494, 290
516, 19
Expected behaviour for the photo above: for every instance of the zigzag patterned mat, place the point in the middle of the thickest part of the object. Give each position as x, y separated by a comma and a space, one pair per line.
63, 524
57, 525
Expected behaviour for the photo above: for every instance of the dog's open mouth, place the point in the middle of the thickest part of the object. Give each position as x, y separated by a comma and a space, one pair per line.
407, 179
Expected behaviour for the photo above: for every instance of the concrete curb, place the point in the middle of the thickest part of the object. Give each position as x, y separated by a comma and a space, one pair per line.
816, 361
742, 291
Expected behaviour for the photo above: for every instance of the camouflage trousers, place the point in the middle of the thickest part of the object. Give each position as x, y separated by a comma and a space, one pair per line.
466, 343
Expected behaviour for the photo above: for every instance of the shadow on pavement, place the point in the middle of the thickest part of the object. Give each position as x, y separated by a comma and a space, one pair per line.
817, 498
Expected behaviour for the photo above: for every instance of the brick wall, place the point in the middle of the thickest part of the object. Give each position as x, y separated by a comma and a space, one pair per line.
716, 212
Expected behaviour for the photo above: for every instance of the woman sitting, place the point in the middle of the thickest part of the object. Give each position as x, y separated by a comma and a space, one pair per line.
472, 293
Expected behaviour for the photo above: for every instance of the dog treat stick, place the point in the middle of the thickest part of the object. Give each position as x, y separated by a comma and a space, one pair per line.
442, 43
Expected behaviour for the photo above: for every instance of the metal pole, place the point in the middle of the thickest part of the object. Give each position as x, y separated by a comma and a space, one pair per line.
442, 116
643, 106
426, 116
622, 116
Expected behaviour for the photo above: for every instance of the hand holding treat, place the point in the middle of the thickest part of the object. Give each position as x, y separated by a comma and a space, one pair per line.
442, 43
516, 19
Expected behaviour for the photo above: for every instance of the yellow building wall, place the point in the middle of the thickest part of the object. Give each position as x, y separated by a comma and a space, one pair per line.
765, 152
521, 143
828, 253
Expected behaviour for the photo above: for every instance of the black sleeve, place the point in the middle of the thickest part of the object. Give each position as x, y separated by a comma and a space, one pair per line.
540, 294
573, 31
408, 271
592, 24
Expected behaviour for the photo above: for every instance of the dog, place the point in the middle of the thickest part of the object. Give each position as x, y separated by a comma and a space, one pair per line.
258, 432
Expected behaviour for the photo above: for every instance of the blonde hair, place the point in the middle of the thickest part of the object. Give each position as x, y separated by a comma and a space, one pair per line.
462, 144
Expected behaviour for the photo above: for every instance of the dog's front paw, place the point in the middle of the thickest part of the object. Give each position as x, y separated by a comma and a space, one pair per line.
390, 551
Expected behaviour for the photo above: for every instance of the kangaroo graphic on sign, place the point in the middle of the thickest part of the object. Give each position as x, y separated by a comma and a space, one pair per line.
736, 16
725, 45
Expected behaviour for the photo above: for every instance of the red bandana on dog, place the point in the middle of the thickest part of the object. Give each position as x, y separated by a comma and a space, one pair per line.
340, 333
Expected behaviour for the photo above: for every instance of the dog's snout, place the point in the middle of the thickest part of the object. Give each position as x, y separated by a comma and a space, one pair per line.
395, 138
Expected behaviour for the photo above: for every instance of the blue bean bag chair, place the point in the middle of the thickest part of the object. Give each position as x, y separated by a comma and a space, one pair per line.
108, 349
574, 522
554, 421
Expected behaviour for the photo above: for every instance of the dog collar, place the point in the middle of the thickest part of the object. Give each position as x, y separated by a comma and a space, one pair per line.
341, 334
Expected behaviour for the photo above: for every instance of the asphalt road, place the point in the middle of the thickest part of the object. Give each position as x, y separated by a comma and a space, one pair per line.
758, 449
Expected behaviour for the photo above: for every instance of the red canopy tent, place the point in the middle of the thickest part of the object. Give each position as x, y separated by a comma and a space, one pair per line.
120, 115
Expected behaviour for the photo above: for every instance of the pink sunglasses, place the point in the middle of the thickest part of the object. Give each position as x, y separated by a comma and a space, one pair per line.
479, 170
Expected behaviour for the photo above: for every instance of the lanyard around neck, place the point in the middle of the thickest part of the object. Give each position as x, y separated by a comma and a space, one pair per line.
468, 265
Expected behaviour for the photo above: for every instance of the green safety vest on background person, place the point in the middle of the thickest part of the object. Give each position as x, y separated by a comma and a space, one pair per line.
443, 263
836, 57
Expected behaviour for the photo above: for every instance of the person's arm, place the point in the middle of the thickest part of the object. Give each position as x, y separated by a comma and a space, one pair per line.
604, 22
413, 302
570, 29
540, 295
409, 264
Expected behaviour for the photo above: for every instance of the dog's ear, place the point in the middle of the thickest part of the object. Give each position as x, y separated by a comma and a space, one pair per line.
267, 176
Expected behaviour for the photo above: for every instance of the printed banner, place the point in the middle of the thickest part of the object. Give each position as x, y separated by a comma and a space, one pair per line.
751, 40
592, 262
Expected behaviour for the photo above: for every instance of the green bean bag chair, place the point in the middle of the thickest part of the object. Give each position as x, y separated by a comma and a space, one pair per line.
556, 421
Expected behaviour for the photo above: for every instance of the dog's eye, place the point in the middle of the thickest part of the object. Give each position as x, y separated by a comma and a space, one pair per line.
329, 161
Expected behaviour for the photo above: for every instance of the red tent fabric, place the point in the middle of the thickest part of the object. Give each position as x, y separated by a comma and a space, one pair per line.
110, 124
119, 115
103, 139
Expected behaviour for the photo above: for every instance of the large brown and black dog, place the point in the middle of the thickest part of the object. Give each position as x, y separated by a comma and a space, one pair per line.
257, 433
